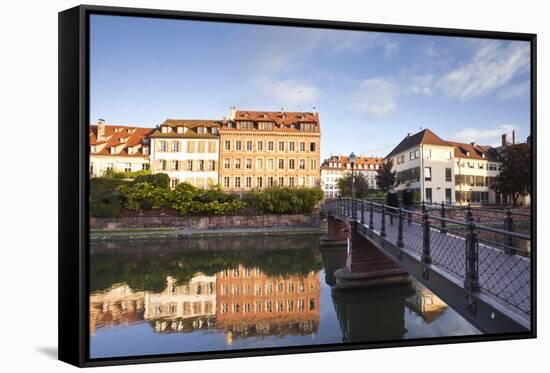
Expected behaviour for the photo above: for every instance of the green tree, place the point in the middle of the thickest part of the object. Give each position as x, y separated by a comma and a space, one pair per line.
515, 178
385, 177
361, 185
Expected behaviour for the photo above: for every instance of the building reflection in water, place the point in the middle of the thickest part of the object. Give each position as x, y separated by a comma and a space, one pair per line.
426, 304
240, 301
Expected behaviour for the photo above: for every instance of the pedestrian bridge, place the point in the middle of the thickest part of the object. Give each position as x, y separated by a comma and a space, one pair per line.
471, 258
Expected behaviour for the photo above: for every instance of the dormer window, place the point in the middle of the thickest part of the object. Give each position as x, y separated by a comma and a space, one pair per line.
131, 131
131, 150
201, 130
113, 149
215, 130
164, 129
180, 130
93, 149
145, 150
123, 139
307, 127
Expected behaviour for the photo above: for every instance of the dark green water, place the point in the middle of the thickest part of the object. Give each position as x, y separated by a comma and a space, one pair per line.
176, 296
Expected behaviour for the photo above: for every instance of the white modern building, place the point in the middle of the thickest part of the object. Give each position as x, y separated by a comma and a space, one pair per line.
337, 166
445, 171
186, 150
118, 148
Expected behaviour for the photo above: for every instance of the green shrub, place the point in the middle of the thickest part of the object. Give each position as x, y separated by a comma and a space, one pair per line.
145, 196
158, 180
131, 174
284, 199
105, 200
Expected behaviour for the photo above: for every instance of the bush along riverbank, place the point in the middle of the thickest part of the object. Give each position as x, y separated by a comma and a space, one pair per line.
146, 206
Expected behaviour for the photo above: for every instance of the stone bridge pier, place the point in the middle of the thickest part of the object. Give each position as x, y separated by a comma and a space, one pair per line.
337, 232
366, 265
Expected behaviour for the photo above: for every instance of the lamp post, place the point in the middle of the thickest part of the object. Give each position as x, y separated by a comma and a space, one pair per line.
352, 160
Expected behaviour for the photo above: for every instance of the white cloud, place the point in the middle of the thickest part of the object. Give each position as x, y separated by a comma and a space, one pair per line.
376, 97
289, 92
493, 65
489, 136
514, 90
421, 85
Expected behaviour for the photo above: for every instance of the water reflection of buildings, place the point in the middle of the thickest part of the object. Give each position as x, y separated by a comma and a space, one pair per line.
241, 301
428, 305
251, 303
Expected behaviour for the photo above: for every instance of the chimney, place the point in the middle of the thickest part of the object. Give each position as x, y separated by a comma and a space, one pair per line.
232, 112
473, 143
514, 137
504, 141
409, 134
101, 130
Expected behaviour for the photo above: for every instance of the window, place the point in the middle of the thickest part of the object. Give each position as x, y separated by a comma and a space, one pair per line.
428, 173
189, 165
202, 146
227, 145
281, 146
226, 163
237, 163
174, 165
281, 181
212, 165
414, 154
268, 126
291, 163
162, 129
291, 181
270, 146
128, 167
212, 146
480, 166
401, 159
191, 147
448, 196
269, 164
237, 182
259, 164
311, 146
312, 164
226, 182
201, 165
174, 183
175, 146
162, 164
428, 194
238, 145
427, 153
302, 146
281, 164
301, 181
201, 130
248, 182
448, 174
302, 164
291, 146
249, 146
245, 125
259, 182
260, 146
248, 164
145, 166
270, 181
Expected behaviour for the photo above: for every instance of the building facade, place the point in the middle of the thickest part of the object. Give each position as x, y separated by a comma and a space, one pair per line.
337, 166
118, 148
444, 171
261, 149
186, 150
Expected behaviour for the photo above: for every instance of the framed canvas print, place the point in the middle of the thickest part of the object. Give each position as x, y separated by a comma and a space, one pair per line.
234, 186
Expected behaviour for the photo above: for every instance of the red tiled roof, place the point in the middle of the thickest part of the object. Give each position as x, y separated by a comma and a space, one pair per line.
113, 135
343, 161
473, 151
423, 137
282, 119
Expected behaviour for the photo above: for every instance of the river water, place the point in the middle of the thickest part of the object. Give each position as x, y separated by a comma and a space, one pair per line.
150, 297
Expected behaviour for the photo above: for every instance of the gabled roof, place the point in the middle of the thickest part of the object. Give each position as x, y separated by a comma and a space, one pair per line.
282, 119
343, 161
473, 151
191, 124
420, 138
114, 133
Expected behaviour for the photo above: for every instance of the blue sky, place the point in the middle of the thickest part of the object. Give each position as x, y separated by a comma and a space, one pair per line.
370, 89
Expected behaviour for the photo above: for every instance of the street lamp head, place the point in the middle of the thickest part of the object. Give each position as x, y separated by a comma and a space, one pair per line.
352, 158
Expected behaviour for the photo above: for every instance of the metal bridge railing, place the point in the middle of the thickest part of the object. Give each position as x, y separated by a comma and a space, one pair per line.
484, 257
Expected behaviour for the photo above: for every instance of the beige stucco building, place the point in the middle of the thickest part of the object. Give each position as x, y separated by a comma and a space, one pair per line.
186, 150
337, 166
261, 148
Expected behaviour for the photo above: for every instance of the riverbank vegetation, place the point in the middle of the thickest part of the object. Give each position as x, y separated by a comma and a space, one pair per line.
112, 196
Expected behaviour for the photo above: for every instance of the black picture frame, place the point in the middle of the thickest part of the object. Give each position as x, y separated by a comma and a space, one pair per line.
73, 181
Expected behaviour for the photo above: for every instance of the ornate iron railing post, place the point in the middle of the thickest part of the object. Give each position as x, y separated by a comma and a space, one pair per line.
383, 227
371, 216
426, 255
423, 207
362, 212
469, 215
400, 228
443, 222
508, 227
471, 281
